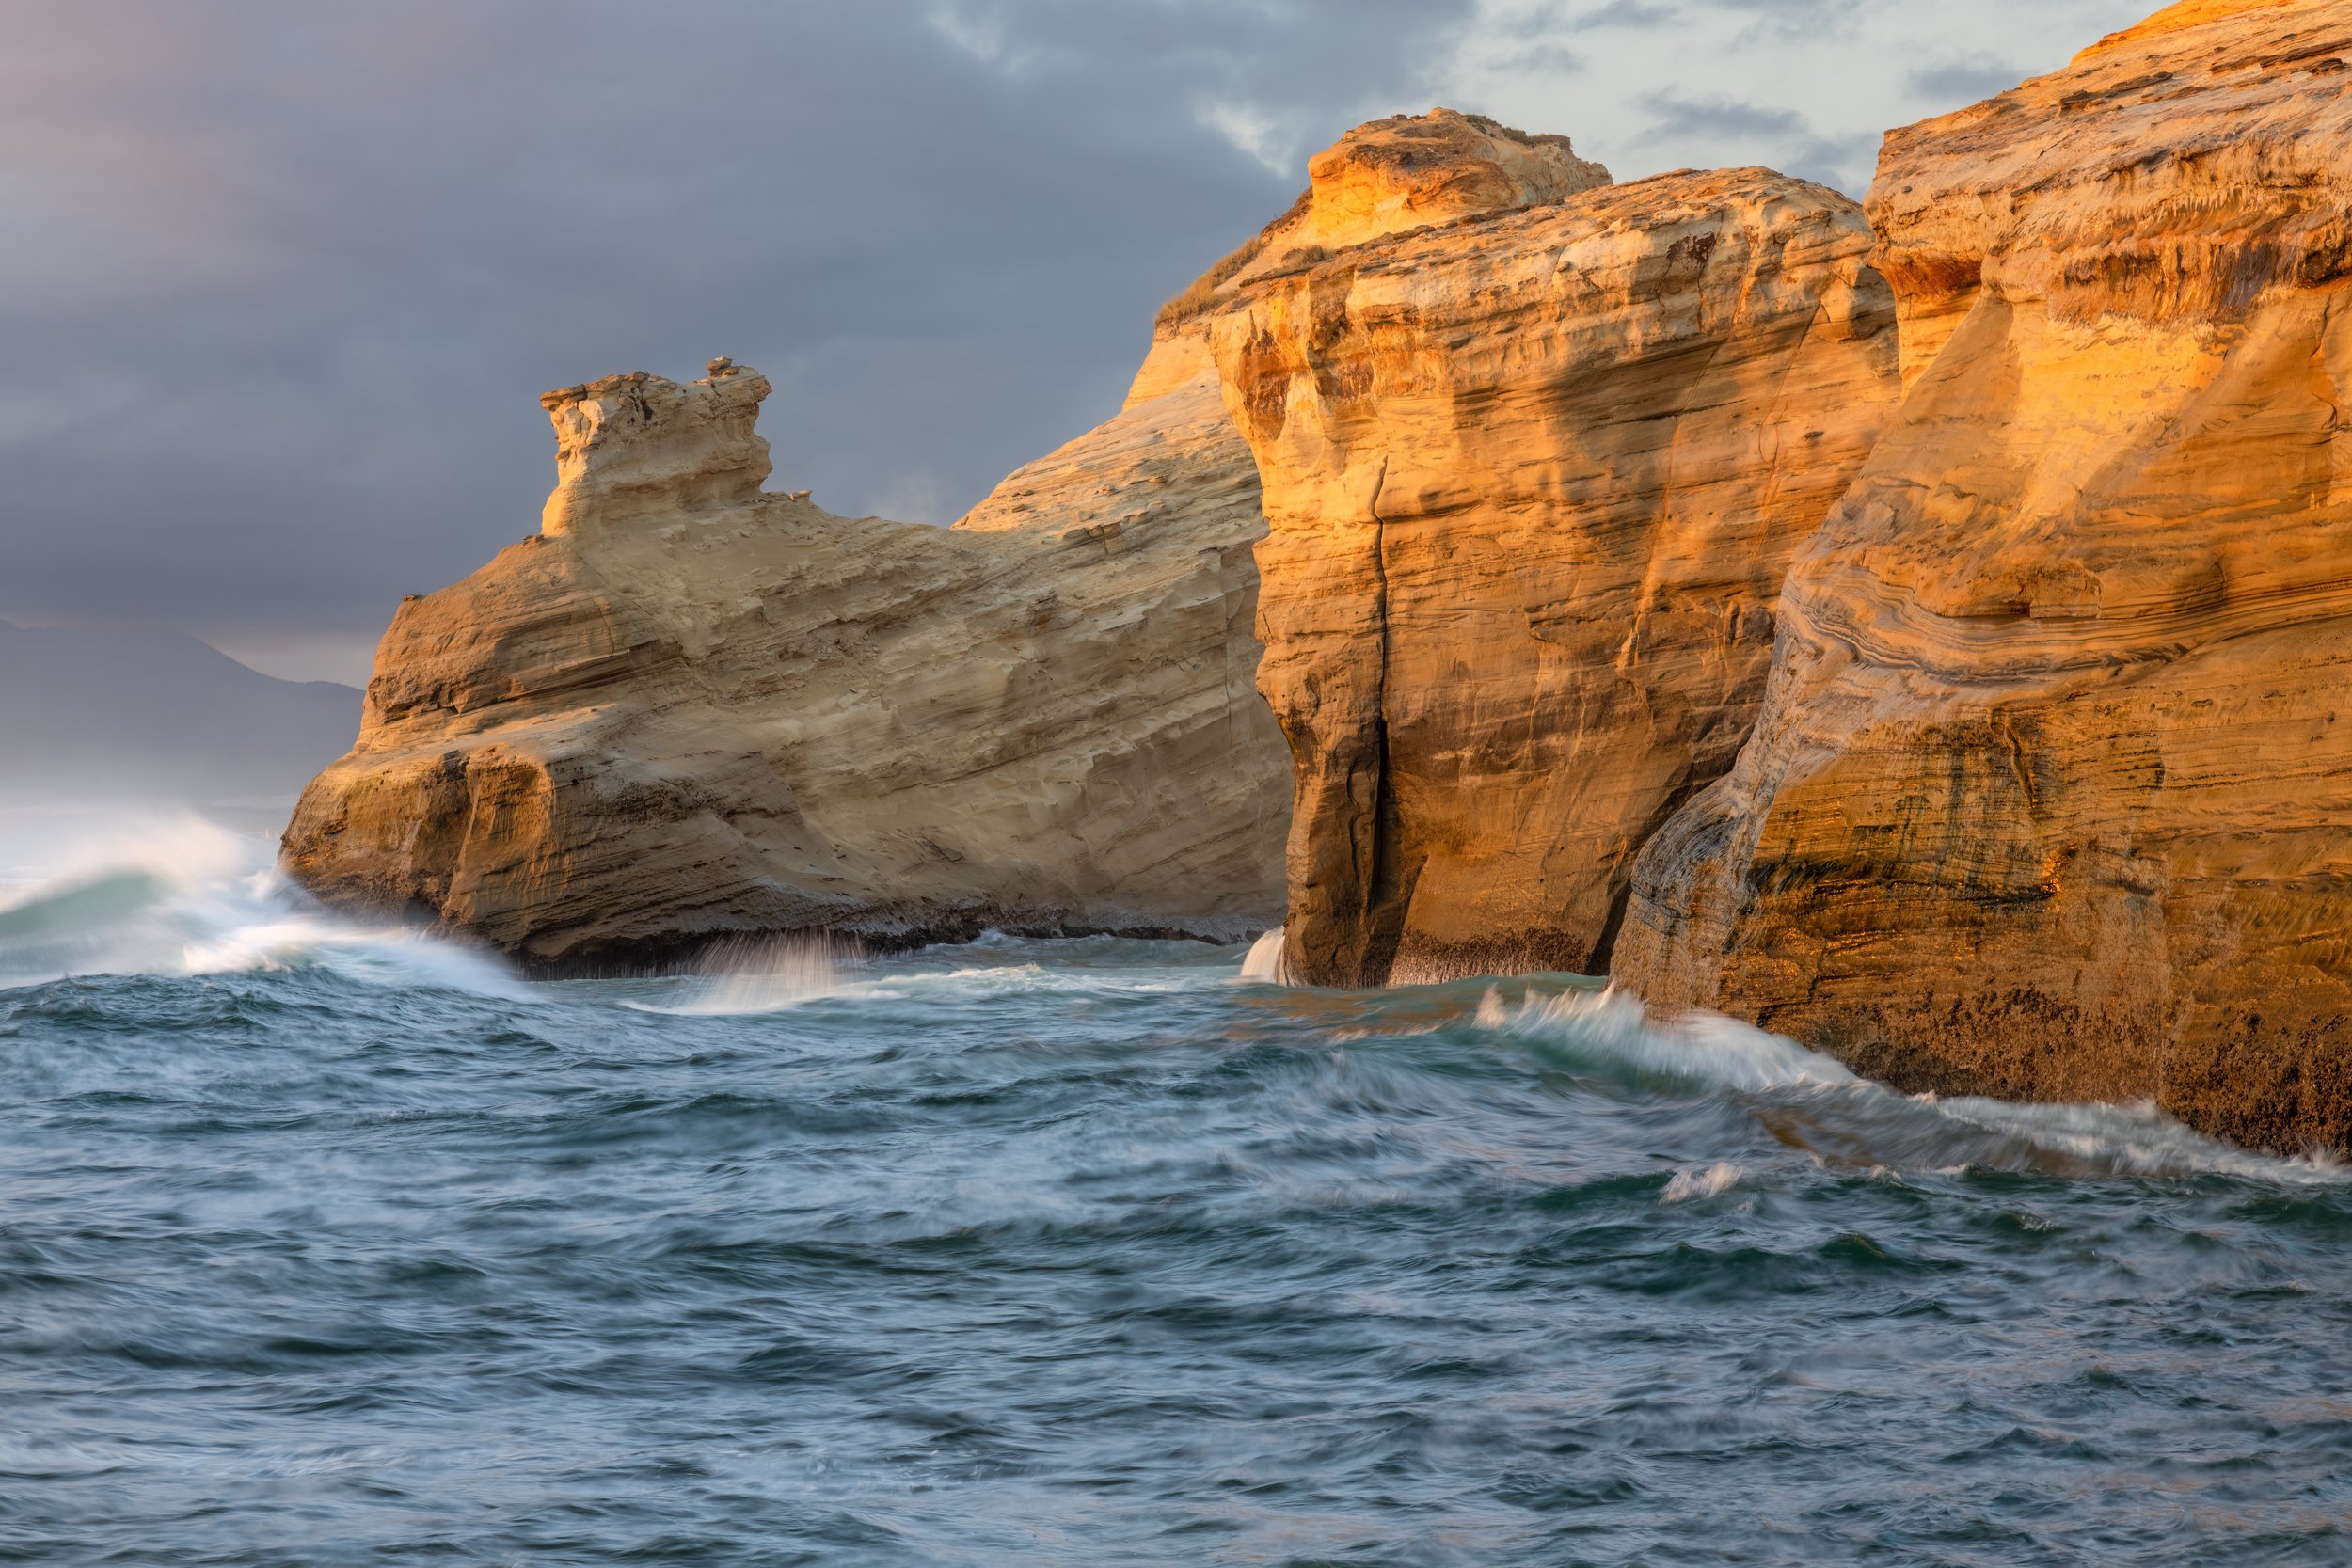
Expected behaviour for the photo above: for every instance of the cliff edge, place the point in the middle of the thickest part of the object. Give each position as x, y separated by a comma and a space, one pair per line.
2049, 795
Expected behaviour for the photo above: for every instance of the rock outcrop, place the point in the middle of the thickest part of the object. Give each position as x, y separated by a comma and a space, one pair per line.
1390, 177
687, 710
2052, 795
1533, 475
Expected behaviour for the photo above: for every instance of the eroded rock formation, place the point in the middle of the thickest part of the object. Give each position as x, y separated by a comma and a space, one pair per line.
2052, 795
1389, 176
1532, 476
686, 708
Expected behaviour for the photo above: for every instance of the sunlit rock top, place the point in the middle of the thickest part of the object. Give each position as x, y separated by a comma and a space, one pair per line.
638, 446
1392, 176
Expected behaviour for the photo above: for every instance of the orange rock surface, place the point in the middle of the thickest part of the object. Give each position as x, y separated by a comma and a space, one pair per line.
2052, 794
1532, 478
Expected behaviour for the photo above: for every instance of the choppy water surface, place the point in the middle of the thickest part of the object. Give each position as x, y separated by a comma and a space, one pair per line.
321, 1246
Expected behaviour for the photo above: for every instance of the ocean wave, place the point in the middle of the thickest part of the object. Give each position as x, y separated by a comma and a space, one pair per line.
1688, 1186
181, 895
749, 976
1268, 962
1813, 1103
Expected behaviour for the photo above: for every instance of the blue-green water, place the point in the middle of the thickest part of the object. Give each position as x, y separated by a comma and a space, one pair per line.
320, 1246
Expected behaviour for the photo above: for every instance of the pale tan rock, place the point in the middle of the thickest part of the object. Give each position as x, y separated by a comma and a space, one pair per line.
687, 710
632, 447
1180, 356
1532, 480
1172, 452
2052, 797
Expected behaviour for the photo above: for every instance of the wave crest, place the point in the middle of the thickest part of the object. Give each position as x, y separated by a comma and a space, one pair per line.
1813, 1103
1268, 962
183, 896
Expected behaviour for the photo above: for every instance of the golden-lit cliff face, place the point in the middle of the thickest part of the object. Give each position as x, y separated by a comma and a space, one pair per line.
1532, 480
687, 710
2052, 794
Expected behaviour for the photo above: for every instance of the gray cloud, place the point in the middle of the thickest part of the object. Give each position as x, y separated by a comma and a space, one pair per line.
301, 271
1811, 21
1682, 116
1735, 130
1842, 162
1958, 83
1629, 13
1299, 71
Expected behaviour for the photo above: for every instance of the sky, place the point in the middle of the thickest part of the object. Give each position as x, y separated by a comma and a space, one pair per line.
280, 281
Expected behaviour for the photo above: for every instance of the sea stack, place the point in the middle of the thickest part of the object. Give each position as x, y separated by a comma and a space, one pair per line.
2051, 797
687, 710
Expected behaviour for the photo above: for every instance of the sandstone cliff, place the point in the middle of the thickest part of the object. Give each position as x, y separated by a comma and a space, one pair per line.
2052, 795
1532, 478
686, 708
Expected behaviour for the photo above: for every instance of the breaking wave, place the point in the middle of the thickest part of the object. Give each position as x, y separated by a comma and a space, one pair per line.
1268, 962
1814, 1103
746, 976
185, 896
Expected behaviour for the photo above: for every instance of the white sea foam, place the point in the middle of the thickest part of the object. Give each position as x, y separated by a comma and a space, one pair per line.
1686, 1185
762, 975
180, 894
1814, 1102
1697, 1047
1269, 964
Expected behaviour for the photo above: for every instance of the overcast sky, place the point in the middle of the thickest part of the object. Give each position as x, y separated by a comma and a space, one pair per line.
282, 280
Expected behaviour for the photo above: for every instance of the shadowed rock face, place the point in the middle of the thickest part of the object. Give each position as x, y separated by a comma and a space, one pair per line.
1533, 478
2050, 795
687, 710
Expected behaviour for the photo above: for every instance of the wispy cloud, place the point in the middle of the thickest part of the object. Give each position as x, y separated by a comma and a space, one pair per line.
1629, 13
1963, 81
1681, 115
1274, 143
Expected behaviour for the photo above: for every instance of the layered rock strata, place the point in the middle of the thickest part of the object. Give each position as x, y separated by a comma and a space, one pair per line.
1533, 478
687, 710
2052, 795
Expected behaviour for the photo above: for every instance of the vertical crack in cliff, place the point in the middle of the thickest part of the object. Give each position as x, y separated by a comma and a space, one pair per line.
1385, 892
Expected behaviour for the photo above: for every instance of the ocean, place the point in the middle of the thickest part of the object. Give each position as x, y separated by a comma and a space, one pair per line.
326, 1245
